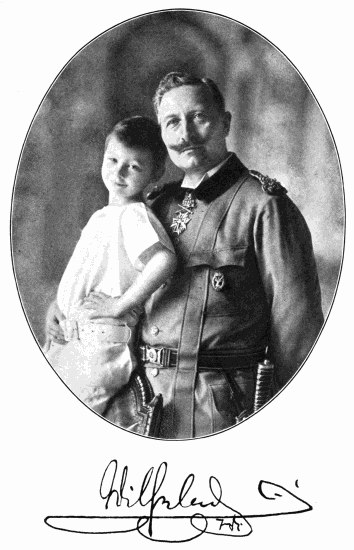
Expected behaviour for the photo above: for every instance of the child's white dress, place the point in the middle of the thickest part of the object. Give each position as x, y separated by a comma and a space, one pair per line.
98, 358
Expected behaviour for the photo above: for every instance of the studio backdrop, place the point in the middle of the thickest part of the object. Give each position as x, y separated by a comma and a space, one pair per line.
277, 128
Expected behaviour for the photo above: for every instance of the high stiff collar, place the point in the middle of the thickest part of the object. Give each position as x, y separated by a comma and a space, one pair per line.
212, 187
207, 174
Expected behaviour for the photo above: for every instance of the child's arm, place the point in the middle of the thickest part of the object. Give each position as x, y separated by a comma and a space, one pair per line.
156, 271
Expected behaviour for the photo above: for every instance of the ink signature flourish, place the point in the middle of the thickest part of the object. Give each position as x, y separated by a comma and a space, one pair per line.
159, 518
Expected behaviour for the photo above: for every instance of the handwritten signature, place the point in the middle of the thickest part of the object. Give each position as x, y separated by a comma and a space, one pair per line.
187, 517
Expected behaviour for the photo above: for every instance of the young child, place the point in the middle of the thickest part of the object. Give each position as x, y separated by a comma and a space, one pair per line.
122, 257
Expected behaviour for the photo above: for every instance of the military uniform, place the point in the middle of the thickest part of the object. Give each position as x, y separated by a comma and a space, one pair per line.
246, 282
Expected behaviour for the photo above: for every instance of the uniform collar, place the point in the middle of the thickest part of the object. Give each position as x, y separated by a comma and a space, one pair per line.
207, 175
215, 185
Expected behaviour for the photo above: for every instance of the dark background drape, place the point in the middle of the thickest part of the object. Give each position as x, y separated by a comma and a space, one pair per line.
277, 129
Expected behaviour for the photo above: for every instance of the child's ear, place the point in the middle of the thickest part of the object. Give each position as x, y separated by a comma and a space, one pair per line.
159, 172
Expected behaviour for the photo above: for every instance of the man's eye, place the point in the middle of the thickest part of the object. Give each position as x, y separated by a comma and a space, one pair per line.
200, 117
113, 160
172, 122
135, 167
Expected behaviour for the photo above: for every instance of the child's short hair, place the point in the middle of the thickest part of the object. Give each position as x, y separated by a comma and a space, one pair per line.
140, 131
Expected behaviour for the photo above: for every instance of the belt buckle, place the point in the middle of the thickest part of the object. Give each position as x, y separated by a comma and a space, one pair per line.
157, 356
154, 355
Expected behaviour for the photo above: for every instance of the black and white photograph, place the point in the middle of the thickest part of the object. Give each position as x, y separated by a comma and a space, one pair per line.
178, 225
213, 286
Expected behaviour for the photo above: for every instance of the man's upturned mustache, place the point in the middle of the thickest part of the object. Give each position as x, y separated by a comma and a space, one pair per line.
179, 148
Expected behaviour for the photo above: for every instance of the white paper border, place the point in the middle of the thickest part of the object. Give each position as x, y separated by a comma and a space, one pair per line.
55, 450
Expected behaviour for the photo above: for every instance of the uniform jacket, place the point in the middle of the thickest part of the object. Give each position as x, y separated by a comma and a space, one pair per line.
257, 238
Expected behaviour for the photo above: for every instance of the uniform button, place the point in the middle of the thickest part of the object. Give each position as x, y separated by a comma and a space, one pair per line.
155, 330
154, 371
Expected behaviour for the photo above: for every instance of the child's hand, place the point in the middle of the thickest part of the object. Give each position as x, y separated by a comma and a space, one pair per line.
53, 330
100, 305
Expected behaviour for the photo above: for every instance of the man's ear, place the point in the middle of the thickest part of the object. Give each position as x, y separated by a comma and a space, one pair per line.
159, 172
227, 122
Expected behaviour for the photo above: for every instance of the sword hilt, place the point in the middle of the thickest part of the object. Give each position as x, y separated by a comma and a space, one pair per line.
264, 384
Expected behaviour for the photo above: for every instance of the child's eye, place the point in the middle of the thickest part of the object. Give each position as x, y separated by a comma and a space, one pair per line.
112, 159
135, 167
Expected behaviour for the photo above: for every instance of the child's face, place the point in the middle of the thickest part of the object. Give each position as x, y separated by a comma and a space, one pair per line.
126, 171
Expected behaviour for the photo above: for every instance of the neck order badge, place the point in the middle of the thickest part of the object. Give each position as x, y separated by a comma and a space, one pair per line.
184, 216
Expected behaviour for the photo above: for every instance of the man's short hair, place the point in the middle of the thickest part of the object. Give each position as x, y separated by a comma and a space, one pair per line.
177, 79
143, 133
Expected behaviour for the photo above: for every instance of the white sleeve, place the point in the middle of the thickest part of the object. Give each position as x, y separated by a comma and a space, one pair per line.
142, 231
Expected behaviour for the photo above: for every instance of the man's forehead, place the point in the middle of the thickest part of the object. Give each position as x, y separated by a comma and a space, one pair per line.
186, 97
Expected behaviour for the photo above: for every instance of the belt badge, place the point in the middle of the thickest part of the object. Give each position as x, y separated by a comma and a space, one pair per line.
218, 281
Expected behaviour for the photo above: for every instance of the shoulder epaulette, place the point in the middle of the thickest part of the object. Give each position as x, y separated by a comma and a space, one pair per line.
269, 185
160, 189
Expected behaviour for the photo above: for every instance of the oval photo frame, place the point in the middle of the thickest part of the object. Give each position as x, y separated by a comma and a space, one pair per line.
278, 129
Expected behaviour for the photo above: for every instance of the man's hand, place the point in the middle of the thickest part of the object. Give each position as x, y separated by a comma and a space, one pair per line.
53, 330
101, 305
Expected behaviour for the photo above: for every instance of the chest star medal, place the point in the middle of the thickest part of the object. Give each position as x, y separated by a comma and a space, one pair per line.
184, 216
218, 281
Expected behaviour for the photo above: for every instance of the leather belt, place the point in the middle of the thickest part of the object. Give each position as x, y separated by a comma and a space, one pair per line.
218, 359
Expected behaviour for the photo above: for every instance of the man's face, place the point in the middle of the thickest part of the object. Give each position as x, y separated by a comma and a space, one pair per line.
126, 171
193, 129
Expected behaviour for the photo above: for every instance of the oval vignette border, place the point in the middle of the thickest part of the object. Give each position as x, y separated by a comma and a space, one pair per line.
49, 275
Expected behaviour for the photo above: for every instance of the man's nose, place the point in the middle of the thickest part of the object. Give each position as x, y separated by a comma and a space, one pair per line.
187, 131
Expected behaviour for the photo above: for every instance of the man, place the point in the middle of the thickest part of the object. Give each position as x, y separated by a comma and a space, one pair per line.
247, 279
246, 287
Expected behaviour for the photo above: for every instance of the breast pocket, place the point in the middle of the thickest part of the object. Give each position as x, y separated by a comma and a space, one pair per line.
230, 271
